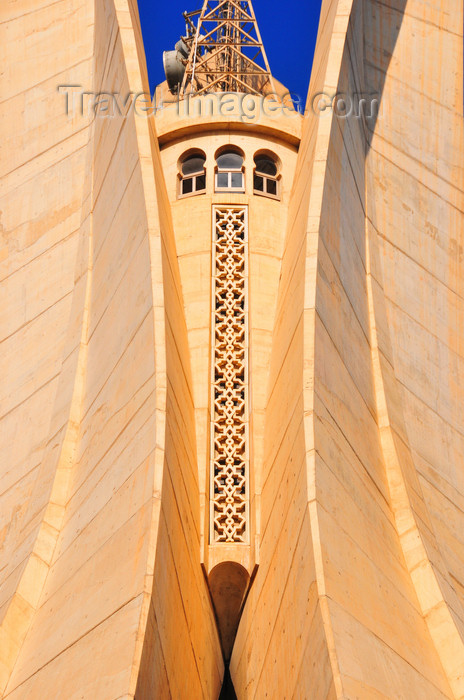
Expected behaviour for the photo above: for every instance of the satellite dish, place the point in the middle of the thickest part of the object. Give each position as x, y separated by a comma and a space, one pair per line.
174, 69
182, 48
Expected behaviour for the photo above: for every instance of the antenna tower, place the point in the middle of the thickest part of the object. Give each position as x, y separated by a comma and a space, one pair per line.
226, 52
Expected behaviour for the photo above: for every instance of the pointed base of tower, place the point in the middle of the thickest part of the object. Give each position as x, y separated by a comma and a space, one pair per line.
228, 584
227, 690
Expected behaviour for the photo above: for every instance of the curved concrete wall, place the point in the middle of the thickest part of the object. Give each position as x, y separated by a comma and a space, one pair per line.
101, 555
355, 540
45, 216
415, 190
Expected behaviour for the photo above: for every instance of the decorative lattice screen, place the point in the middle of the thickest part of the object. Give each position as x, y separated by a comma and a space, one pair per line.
229, 424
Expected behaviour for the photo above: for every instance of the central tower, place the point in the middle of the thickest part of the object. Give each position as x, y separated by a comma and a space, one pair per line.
229, 144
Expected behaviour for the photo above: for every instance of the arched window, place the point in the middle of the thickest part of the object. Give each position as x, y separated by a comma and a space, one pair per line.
192, 173
266, 178
230, 171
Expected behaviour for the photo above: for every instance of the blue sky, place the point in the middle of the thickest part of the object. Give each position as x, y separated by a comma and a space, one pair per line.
288, 29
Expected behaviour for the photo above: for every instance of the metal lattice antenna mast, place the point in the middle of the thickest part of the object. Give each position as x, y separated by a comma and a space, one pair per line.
227, 53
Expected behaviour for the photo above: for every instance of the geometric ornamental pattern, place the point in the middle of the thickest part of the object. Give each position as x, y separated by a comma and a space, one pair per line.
229, 489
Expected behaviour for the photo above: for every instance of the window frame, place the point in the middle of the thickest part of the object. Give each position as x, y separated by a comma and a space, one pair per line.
191, 176
229, 171
267, 178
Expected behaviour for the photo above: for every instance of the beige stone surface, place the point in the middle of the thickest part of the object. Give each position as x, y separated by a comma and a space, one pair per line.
356, 315
93, 329
390, 611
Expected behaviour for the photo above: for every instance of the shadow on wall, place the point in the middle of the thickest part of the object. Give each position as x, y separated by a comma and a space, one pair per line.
372, 34
382, 21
